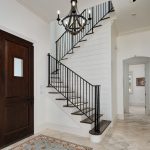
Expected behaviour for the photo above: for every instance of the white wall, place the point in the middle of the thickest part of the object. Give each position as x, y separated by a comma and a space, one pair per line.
130, 45
93, 62
19, 21
137, 98
55, 33
53, 38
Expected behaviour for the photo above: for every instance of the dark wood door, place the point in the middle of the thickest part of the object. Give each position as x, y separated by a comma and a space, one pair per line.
16, 88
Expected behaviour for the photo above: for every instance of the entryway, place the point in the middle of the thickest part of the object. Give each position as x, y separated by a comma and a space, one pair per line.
16, 89
137, 89
136, 80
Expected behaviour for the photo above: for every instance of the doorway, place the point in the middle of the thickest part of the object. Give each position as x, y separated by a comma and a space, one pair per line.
16, 89
136, 91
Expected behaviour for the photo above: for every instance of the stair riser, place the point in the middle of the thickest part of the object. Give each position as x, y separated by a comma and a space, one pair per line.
99, 138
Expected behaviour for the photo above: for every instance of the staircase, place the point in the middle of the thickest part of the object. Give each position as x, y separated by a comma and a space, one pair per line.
76, 91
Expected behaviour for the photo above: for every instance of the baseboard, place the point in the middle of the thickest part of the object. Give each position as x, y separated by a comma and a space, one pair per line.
38, 129
72, 130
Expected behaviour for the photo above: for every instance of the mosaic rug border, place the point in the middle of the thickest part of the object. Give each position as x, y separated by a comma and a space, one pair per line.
41, 135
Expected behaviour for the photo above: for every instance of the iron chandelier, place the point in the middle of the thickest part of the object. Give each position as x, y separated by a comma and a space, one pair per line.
74, 22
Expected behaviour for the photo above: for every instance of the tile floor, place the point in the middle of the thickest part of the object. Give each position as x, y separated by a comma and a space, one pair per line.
137, 110
133, 133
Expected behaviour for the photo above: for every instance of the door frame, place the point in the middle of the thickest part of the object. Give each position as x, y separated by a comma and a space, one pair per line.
18, 40
136, 61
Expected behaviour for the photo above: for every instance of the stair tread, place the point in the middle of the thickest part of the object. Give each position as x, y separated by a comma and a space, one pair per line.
76, 104
76, 47
66, 98
83, 40
61, 92
68, 106
103, 126
83, 110
64, 58
105, 18
90, 33
53, 92
63, 99
91, 119
55, 72
97, 26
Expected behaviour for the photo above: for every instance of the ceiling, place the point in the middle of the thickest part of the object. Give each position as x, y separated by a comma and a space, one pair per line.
125, 11
47, 9
132, 16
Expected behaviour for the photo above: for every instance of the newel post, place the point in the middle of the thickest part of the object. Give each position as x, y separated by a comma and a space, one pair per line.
97, 109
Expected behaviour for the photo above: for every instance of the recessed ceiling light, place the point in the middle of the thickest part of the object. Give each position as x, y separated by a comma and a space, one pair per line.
134, 0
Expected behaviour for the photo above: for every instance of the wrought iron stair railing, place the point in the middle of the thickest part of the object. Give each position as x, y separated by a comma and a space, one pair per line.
76, 90
67, 42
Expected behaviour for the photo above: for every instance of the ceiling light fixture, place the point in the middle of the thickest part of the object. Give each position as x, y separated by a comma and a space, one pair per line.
74, 22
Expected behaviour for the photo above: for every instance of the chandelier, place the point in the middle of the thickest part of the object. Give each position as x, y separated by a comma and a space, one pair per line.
74, 22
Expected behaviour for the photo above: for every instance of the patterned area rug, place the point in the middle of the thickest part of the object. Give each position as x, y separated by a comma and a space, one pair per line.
42, 142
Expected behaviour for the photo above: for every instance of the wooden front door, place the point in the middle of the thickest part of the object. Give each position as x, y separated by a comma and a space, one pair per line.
16, 89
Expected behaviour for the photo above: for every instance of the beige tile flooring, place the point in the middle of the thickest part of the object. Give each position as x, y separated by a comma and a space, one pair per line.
137, 110
131, 134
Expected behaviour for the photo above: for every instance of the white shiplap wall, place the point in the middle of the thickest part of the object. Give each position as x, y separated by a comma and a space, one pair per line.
93, 62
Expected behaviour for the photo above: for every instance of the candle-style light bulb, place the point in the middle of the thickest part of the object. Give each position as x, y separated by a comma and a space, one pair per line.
83, 21
73, 3
58, 12
58, 17
89, 11
66, 22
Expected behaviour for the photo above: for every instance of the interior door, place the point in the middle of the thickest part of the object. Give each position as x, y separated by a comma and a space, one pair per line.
16, 88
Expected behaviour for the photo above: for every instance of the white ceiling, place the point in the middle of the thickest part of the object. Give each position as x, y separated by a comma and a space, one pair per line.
46, 9
127, 22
